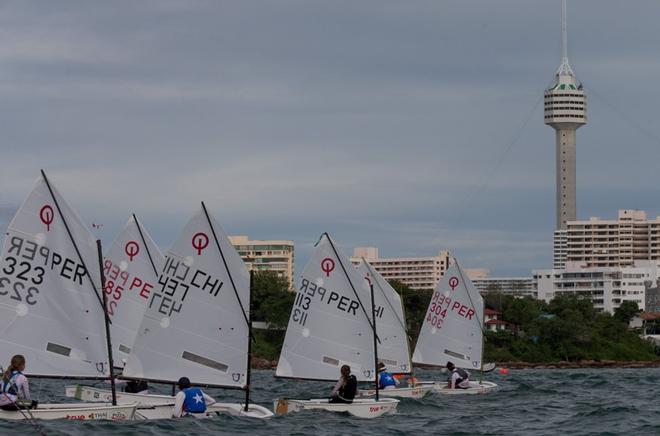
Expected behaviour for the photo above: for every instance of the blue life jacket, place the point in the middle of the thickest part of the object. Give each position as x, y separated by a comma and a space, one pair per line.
385, 379
9, 386
194, 402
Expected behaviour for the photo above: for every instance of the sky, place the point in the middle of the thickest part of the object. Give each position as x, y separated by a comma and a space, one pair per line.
412, 126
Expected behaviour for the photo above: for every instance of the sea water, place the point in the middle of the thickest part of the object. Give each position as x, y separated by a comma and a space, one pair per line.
527, 402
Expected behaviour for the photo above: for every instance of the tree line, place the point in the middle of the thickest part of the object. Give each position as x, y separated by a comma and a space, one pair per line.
568, 328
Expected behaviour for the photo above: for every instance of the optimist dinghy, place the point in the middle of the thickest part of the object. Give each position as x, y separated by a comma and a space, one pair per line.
330, 326
453, 330
393, 348
52, 303
197, 324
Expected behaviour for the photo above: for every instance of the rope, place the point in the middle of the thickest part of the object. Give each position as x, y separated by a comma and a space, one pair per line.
648, 133
484, 181
28, 417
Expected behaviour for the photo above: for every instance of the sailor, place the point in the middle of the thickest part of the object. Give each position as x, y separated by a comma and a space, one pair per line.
190, 400
15, 389
385, 378
136, 387
459, 378
346, 387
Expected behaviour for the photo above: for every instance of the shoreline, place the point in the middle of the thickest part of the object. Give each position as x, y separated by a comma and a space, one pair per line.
261, 363
581, 364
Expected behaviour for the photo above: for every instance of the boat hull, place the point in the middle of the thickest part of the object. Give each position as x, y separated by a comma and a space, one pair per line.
164, 411
361, 408
418, 391
93, 394
151, 406
74, 411
475, 388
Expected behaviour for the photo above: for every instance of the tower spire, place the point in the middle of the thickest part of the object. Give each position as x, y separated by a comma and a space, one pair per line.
564, 67
564, 33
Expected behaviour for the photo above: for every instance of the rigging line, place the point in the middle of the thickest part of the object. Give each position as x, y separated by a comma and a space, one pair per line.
146, 246
73, 241
481, 186
351, 283
224, 261
625, 116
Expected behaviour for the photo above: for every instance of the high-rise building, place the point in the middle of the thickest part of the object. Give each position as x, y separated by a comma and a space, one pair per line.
565, 110
276, 256
607, 287
609, 243
416, 272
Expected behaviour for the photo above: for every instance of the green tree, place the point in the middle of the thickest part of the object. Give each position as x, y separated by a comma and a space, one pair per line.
626, 311
271, 298
415, 304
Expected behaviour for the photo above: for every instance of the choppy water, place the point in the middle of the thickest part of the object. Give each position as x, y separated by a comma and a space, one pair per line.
539, 402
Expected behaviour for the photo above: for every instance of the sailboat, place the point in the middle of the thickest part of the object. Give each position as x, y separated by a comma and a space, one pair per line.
131, 269
52, 303
453, 330
197, 323
393, 348
333, 323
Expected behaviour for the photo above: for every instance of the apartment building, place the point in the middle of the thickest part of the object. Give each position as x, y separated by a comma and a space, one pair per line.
268, 255
416, 272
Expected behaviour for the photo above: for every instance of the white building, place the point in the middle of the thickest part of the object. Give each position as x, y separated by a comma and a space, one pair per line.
416, 272
517, 286
608, 243
270, 255
607, 287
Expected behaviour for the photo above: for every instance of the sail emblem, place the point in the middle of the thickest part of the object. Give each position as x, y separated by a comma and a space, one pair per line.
453, 282
327, 266
131, 249
47, 216
199, 242
367, 277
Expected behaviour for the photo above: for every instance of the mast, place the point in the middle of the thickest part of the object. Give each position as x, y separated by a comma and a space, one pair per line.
564, 66
564, 32
106, 319
373, 273
249, 355
373, 315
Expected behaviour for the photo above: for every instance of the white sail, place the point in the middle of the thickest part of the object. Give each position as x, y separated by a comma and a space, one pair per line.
50, 310
194, 325
131, 269
393, 348
452, 328
329, 326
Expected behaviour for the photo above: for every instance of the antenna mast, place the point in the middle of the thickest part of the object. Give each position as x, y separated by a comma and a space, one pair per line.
564, 33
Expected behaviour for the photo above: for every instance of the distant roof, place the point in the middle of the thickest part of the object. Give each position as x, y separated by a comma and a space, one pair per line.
649, 316
492, 312
496, 322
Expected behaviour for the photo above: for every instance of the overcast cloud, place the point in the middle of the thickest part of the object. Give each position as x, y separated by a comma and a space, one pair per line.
412, 126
